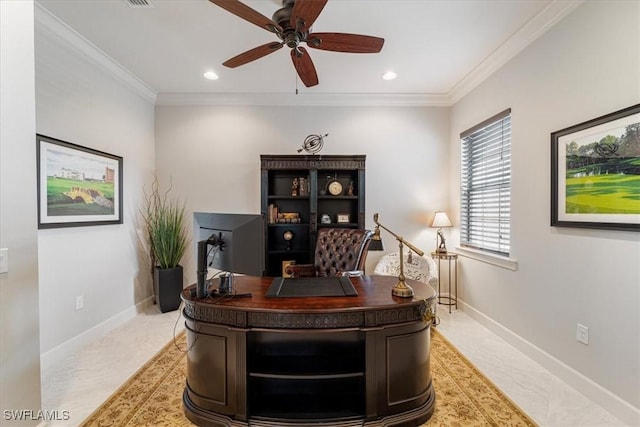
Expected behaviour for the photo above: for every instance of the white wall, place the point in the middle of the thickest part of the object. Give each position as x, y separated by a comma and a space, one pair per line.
81, 102
212, 154
20, 334
586, 66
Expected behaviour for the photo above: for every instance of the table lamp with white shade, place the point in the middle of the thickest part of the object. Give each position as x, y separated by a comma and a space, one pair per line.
439, 221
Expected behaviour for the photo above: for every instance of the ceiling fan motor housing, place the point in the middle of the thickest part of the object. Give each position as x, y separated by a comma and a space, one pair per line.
289, 35
282, 16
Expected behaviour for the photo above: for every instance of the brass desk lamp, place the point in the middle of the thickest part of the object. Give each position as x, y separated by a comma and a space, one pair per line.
401, 289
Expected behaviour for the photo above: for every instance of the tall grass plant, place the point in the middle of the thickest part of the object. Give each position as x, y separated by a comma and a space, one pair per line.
168, 236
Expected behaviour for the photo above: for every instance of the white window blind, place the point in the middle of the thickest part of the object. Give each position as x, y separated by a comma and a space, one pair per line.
486, 185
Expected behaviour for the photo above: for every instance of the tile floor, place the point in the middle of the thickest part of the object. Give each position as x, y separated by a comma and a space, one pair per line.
85, 380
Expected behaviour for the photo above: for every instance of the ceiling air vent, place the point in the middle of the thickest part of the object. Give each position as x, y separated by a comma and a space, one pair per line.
139, 3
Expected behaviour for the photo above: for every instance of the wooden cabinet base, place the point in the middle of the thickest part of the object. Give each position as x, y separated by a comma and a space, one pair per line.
412, 418
310, 362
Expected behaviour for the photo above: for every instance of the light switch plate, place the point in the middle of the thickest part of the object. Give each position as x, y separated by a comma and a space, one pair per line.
4, 260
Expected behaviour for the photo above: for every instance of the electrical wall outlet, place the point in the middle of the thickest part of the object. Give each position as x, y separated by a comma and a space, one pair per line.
582, 334
79, 302
4, 260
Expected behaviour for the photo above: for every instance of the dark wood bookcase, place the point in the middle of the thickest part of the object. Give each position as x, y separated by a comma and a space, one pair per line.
301, 211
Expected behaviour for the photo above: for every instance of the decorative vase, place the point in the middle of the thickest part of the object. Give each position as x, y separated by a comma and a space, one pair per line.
168, 287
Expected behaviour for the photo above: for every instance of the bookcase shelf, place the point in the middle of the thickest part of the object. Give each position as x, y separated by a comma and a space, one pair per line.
323, 374
312, 174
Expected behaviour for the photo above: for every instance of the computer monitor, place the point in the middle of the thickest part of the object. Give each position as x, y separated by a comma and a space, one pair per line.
236, 241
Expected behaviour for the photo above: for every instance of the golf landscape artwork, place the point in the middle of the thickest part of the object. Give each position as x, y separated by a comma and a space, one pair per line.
596, 173
77, 185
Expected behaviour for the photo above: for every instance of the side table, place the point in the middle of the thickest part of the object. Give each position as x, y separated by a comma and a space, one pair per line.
452, 259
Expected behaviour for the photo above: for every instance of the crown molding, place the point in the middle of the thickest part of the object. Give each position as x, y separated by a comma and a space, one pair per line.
50, 25
534, 28
280, 99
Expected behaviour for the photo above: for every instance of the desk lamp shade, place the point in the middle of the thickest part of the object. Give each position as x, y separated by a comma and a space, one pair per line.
440, 220
376, 241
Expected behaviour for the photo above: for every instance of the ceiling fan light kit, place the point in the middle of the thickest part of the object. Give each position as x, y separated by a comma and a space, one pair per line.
292, 24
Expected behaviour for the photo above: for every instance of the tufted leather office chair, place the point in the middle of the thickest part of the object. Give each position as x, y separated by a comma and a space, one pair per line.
337, 250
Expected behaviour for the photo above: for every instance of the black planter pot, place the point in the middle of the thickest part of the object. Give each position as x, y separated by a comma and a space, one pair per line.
167, 285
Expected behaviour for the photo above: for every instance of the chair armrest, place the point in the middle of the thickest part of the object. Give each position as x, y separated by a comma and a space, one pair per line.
300, 270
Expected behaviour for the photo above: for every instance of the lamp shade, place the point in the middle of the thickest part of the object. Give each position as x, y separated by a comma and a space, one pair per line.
376, 241
376, 245
440, 219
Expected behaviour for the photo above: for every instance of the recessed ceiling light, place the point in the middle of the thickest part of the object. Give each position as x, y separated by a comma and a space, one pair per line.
211, 75
389, 75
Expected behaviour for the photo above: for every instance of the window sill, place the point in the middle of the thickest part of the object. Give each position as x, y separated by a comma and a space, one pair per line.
499, 261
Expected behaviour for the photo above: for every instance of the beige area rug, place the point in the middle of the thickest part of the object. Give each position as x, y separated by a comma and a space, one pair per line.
464, 397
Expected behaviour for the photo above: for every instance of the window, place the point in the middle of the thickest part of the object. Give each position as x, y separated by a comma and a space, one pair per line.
485, 208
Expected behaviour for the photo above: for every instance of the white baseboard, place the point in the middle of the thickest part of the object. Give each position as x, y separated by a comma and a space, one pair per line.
605, 398
61, 351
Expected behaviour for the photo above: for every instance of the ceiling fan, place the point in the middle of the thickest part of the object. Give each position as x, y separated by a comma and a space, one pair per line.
292, 24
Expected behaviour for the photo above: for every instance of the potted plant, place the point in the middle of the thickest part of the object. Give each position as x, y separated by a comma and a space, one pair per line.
167, 234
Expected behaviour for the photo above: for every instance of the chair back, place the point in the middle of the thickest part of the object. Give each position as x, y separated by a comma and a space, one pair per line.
341, 249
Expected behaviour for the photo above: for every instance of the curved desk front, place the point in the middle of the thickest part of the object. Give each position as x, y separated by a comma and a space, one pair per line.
323, 361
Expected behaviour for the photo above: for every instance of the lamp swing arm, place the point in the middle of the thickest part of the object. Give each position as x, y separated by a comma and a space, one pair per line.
399, 238
401, 289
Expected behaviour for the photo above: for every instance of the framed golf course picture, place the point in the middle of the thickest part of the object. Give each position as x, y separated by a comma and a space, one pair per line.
595, 173
77, 186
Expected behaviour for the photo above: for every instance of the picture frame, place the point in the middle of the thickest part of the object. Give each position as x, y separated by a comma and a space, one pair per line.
595, 173
343, 218
77, 186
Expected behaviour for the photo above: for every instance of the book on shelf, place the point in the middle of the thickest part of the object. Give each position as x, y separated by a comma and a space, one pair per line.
288, 218
272, 213
304, 186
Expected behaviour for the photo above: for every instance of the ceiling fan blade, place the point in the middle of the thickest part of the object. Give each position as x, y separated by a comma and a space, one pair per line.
344, 42
252, 54
243, 11
304, 66
305, 13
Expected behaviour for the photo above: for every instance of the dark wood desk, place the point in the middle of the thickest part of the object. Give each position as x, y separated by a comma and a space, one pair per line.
323, 361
